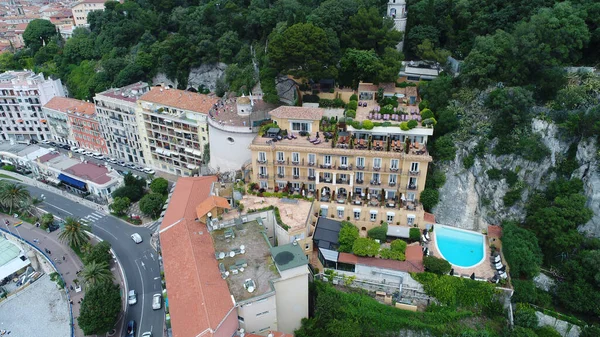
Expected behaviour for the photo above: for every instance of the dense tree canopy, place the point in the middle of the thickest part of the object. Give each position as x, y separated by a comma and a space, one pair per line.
100, 308
38, 33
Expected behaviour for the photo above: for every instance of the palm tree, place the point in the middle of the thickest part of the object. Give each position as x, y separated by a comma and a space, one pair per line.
12, 195
73, 233
29, 206
94, 273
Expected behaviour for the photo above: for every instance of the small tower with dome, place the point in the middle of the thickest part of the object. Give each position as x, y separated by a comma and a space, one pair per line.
396, 9
244, 106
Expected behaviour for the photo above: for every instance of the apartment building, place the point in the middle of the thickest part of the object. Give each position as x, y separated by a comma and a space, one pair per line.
75, 121
173, 129
83, 8
366, 176
223, 278
115, 110
22, 95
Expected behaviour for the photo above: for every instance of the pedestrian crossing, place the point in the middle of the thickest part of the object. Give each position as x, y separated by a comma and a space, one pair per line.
93, 217
153, 226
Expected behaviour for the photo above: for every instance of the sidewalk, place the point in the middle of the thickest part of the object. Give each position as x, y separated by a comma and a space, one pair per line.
68, 267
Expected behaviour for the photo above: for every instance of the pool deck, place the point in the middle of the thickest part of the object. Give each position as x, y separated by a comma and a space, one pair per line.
483, 270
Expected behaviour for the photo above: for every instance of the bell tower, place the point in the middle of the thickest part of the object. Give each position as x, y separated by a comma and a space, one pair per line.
396, 9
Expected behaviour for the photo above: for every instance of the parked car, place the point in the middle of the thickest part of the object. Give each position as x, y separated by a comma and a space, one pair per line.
98, 156
74, 149
148, 171
136, 238
53, 144
86, 153
139, 168
45, 141
156, 301
79, 150
52, 227
66, 147
33, 141
132, 166
131, 329
122, 163
131, 297
112, 161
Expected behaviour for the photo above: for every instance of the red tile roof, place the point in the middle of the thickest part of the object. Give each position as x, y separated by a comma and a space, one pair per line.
347, 258
494, 231
297, 112
429, 218
70, 105
47, 157
413, 263
209, 203
199, 299
180, 99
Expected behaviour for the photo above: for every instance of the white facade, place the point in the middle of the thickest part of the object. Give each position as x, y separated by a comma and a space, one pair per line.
115, 110
83, 8
396, 9
229, 146
259, 315
58, 124
292, 299
22, 95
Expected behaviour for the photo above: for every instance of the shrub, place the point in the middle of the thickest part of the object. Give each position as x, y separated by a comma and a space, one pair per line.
120, 205
429, 121
414, 234
547, 331
412, 124
134, 193
331, 103
429, 198
348, 234
520, 331
10, 168
494, 174
404, 126
437, 266
426, 113
398, 245
521, 249
526, 292
365, 247
152, 204
590, 331
511, 197
367, 125
160, 186
525, 316
352, 105
379, 232
390, 254
469, 161
424, 104
444, 148
351, 113
310, 99
511, 177
354, 97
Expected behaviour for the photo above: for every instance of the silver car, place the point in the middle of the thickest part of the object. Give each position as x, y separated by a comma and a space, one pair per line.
131, 297
156, 301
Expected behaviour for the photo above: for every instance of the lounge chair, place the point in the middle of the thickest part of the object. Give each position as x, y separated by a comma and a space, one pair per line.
424, 238
371, 116
497, 259
503, 275
427, 235
294, 136
499, 265
318, 141
312, 140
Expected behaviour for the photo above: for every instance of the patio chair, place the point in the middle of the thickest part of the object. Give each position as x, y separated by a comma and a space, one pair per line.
418, 118
386, 117
497, 259
499, 265
312, 140
294, 136
370, 115
318, 141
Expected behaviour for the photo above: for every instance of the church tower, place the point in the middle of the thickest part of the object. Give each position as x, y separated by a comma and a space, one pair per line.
396, 9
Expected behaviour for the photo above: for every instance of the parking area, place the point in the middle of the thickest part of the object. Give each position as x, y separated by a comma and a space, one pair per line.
41, 309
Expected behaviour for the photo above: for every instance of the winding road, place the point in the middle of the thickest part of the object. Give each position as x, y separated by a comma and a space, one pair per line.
139, 261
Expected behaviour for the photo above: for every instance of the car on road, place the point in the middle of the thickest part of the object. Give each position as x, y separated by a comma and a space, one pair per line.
131, 329
66, 147
74, 149
53, 144
122, 163
147, 334
139, 168
131, 297
136, 238
45, 141
98, 156
86, 153
132, 166
112, 161
79, 150
156, 301
148, 171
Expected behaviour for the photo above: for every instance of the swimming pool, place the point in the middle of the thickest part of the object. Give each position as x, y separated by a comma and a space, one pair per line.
461, 248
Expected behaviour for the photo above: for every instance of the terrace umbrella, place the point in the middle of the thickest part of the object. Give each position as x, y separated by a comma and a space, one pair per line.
452, 272
473, 276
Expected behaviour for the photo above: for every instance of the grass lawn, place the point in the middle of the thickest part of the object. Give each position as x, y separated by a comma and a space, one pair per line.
2, 175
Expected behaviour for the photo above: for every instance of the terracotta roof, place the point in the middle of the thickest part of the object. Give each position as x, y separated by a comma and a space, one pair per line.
180, 99
70, 105
411, 91
297, 112
347, 258
367, 87
199, 299
494, 231
414, 253
388, 87
429, 218
210, 203
47, 157
21, 26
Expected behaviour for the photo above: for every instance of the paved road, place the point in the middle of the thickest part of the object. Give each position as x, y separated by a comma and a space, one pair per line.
140, 262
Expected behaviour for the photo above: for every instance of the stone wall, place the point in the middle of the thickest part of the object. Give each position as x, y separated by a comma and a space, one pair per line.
565, 329
206, 75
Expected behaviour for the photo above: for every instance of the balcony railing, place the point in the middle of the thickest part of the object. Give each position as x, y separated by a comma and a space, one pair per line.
280, 175
341, 181
263, 176
325, 180
261, 161
414, 173
375, 182
359, 181
392, 183
311, 163
412, 187
312, 178
296, 176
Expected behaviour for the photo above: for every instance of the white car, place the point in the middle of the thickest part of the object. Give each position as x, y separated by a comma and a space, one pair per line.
147, 334
98, 156
45, 141
136, 238
86, 153
79, 150
156, 301
131, 297
74, 149
148, 171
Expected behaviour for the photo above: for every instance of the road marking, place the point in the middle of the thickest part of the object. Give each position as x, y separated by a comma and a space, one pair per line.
64, 210
143, 265
143, 298
109, 233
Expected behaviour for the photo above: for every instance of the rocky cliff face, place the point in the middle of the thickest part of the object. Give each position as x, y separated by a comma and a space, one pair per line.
471, 200
206, 75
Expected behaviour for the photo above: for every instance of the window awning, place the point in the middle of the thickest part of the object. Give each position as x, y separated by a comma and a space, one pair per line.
53, 180
43, 121
373, 211
72, 181
19, 121
197, 152
329, 255
356, 210
411, 216
324, 206
391, 213
340, 208
192, 166
188, 150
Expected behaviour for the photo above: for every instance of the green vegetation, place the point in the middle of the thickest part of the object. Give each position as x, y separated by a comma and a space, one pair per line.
73, 234
152, 204
436, 265
396, 251
348, 234
120, 205
133, 189
160, 186
365, 247
13, 195
521, 250
379, 232
5, 176
100, 308
100, 253
414, 234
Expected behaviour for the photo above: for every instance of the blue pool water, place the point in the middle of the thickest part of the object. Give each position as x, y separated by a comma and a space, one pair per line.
460, 248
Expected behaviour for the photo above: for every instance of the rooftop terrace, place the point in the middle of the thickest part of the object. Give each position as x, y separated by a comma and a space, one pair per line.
225, 113
253, 262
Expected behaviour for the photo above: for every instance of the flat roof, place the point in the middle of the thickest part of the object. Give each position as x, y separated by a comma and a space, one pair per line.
180, 99
10, 258
289, 256
90, 172
260, 266
129, 93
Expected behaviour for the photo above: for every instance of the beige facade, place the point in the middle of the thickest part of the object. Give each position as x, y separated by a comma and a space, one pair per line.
173, 129
365, 176
83, 8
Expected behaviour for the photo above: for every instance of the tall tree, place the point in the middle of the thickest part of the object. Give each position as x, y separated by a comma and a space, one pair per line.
13, 195
359, 65
94, 273
38, 33
100, 309
73, 233
302, 50
367, 30
151, 204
